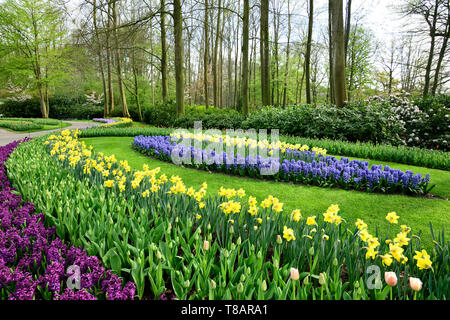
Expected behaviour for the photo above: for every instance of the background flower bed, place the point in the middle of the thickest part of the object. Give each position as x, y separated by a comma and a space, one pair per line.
34, 263
400, 154
316, 170
29, 124
236, 264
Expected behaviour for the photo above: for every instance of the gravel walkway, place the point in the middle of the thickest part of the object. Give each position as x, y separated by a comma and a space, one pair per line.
9, 136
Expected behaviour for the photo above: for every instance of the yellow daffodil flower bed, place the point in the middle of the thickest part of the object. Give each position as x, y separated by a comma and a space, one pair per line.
117, 123
165, 235
248, 143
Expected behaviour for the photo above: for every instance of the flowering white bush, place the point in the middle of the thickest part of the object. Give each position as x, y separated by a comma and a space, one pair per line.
425, 121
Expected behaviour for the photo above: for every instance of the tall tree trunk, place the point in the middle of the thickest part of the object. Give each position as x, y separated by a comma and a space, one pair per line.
38, 75
340, 93
245, 40
46, 81
330, 55
275, 96
179, 55
308, 52
391, 68
286, 72
265, 59
214, 64
37, 72
426, 87
152, 85
297, 80
254, 68
351, 67
441, 54
136, 84
301, 83
229, 70
206, 56
123, 98
252, 58
100, 60
221, 102
236, 94
164, 89
109, 61
348, 19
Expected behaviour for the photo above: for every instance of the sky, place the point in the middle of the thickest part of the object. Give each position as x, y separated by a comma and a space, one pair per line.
379, 16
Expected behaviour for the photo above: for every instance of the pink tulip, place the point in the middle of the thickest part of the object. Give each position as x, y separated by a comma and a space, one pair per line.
206, 245
390, 278
294, 274
415, 284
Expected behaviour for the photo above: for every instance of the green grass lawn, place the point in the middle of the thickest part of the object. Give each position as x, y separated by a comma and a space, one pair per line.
415, 212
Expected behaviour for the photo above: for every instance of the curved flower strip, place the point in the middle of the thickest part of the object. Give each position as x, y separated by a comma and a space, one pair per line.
34, 262
119, 123
116, 122
106, 121
247, 225
296, 165
110, 169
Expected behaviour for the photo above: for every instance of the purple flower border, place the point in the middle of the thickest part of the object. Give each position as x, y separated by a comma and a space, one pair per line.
34, 263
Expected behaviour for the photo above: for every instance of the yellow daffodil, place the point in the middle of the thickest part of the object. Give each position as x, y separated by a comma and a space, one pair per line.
109, 183
371, 253
311, 221
288, 234
423, 260
392, 217
386, 259
360, 224
401, 239
296, 215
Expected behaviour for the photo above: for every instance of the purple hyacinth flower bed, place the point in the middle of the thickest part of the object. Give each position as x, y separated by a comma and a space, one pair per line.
35, 264
296, 166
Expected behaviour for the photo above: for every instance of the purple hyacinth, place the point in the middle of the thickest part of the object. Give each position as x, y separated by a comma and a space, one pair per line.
34, 262
294, 165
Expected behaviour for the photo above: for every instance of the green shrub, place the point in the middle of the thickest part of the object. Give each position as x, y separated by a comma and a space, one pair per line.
164, 115
27, 109
161, 115
61, 107
358, 121
221, 120
425, 120
436, 123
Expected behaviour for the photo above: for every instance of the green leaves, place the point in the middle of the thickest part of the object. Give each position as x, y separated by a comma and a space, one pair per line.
160, 244
115, 262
